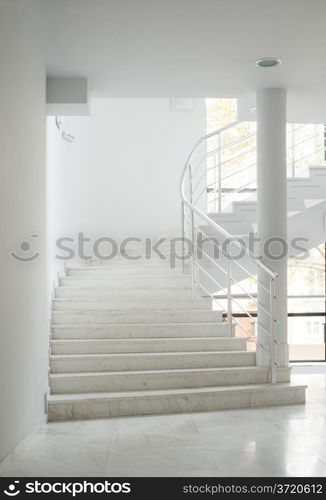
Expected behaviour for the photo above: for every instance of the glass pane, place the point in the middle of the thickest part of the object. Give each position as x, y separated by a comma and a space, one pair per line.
305, 147
306, 276
306, 338
306, 305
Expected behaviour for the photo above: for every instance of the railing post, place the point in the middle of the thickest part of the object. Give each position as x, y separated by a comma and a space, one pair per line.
193, 264
272, 329
293, 148
229, 299
183, 235
219, 166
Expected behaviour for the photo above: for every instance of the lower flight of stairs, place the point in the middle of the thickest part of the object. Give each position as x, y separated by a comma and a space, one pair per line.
128, 339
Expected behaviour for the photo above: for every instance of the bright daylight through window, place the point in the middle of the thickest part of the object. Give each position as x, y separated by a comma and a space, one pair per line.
227, 183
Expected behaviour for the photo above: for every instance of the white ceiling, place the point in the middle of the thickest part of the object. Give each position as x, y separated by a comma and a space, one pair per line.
191, 48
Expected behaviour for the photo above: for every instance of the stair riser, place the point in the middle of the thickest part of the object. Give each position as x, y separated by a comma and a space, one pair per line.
129, 270
249, 217
308, 192
318, 176
236, 226
130, 303
107, 317
128, 282
147, 362
131, 262
135, 254
296, 204
159, 405
145, 252
120, 293
134, 382
142, 331
139, 346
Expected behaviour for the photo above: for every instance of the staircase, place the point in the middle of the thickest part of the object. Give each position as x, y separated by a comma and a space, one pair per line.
220, 183
306, 203
135, 337
129, 339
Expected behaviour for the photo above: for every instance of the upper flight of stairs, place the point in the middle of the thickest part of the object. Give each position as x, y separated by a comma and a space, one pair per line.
306, 198
306, 203
128, 339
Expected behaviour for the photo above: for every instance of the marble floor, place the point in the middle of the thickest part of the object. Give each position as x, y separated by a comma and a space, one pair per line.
276, 441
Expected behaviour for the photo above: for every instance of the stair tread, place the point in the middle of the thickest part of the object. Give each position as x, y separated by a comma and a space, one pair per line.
148, 339
106, 325
131, 277
150, 372
58, 398
66, 287
141, 311
104, 299
149, 354
141, 263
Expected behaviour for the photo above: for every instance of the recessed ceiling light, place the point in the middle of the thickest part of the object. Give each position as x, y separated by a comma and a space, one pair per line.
268, 62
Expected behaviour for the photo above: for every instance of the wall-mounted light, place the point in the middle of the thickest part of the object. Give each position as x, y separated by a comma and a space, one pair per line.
268, 62
59, 121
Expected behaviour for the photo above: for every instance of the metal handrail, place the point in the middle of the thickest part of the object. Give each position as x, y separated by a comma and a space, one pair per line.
254, 296
310, 154
194, 171
205, 217
219, 150
292, 161
306, 139
231, 238
190, 207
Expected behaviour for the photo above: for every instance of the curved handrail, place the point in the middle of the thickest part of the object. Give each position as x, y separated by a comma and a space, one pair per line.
208, 136
186, 185
195, 170
205, 217
292, 161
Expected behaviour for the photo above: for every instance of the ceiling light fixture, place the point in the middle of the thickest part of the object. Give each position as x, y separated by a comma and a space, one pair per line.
268, 62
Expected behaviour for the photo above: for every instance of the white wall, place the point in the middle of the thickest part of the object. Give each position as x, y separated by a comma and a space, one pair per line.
121, 176
23, 337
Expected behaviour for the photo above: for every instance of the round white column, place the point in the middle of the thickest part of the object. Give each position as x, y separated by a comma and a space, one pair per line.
272, 215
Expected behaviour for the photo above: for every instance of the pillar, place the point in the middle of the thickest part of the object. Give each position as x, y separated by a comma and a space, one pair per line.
272, 216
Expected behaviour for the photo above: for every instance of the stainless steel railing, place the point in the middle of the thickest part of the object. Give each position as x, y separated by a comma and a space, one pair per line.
229, 162
196, 222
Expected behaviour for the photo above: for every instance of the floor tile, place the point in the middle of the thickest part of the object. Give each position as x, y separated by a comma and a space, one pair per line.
275, 441
160, 463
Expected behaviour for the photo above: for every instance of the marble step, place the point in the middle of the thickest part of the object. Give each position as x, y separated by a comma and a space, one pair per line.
96, 304
67, 292
121, 271
64, 383
119, 404
165, 244
137, 260
148, 281
120, 331
149, 361
110, 346
135, 316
